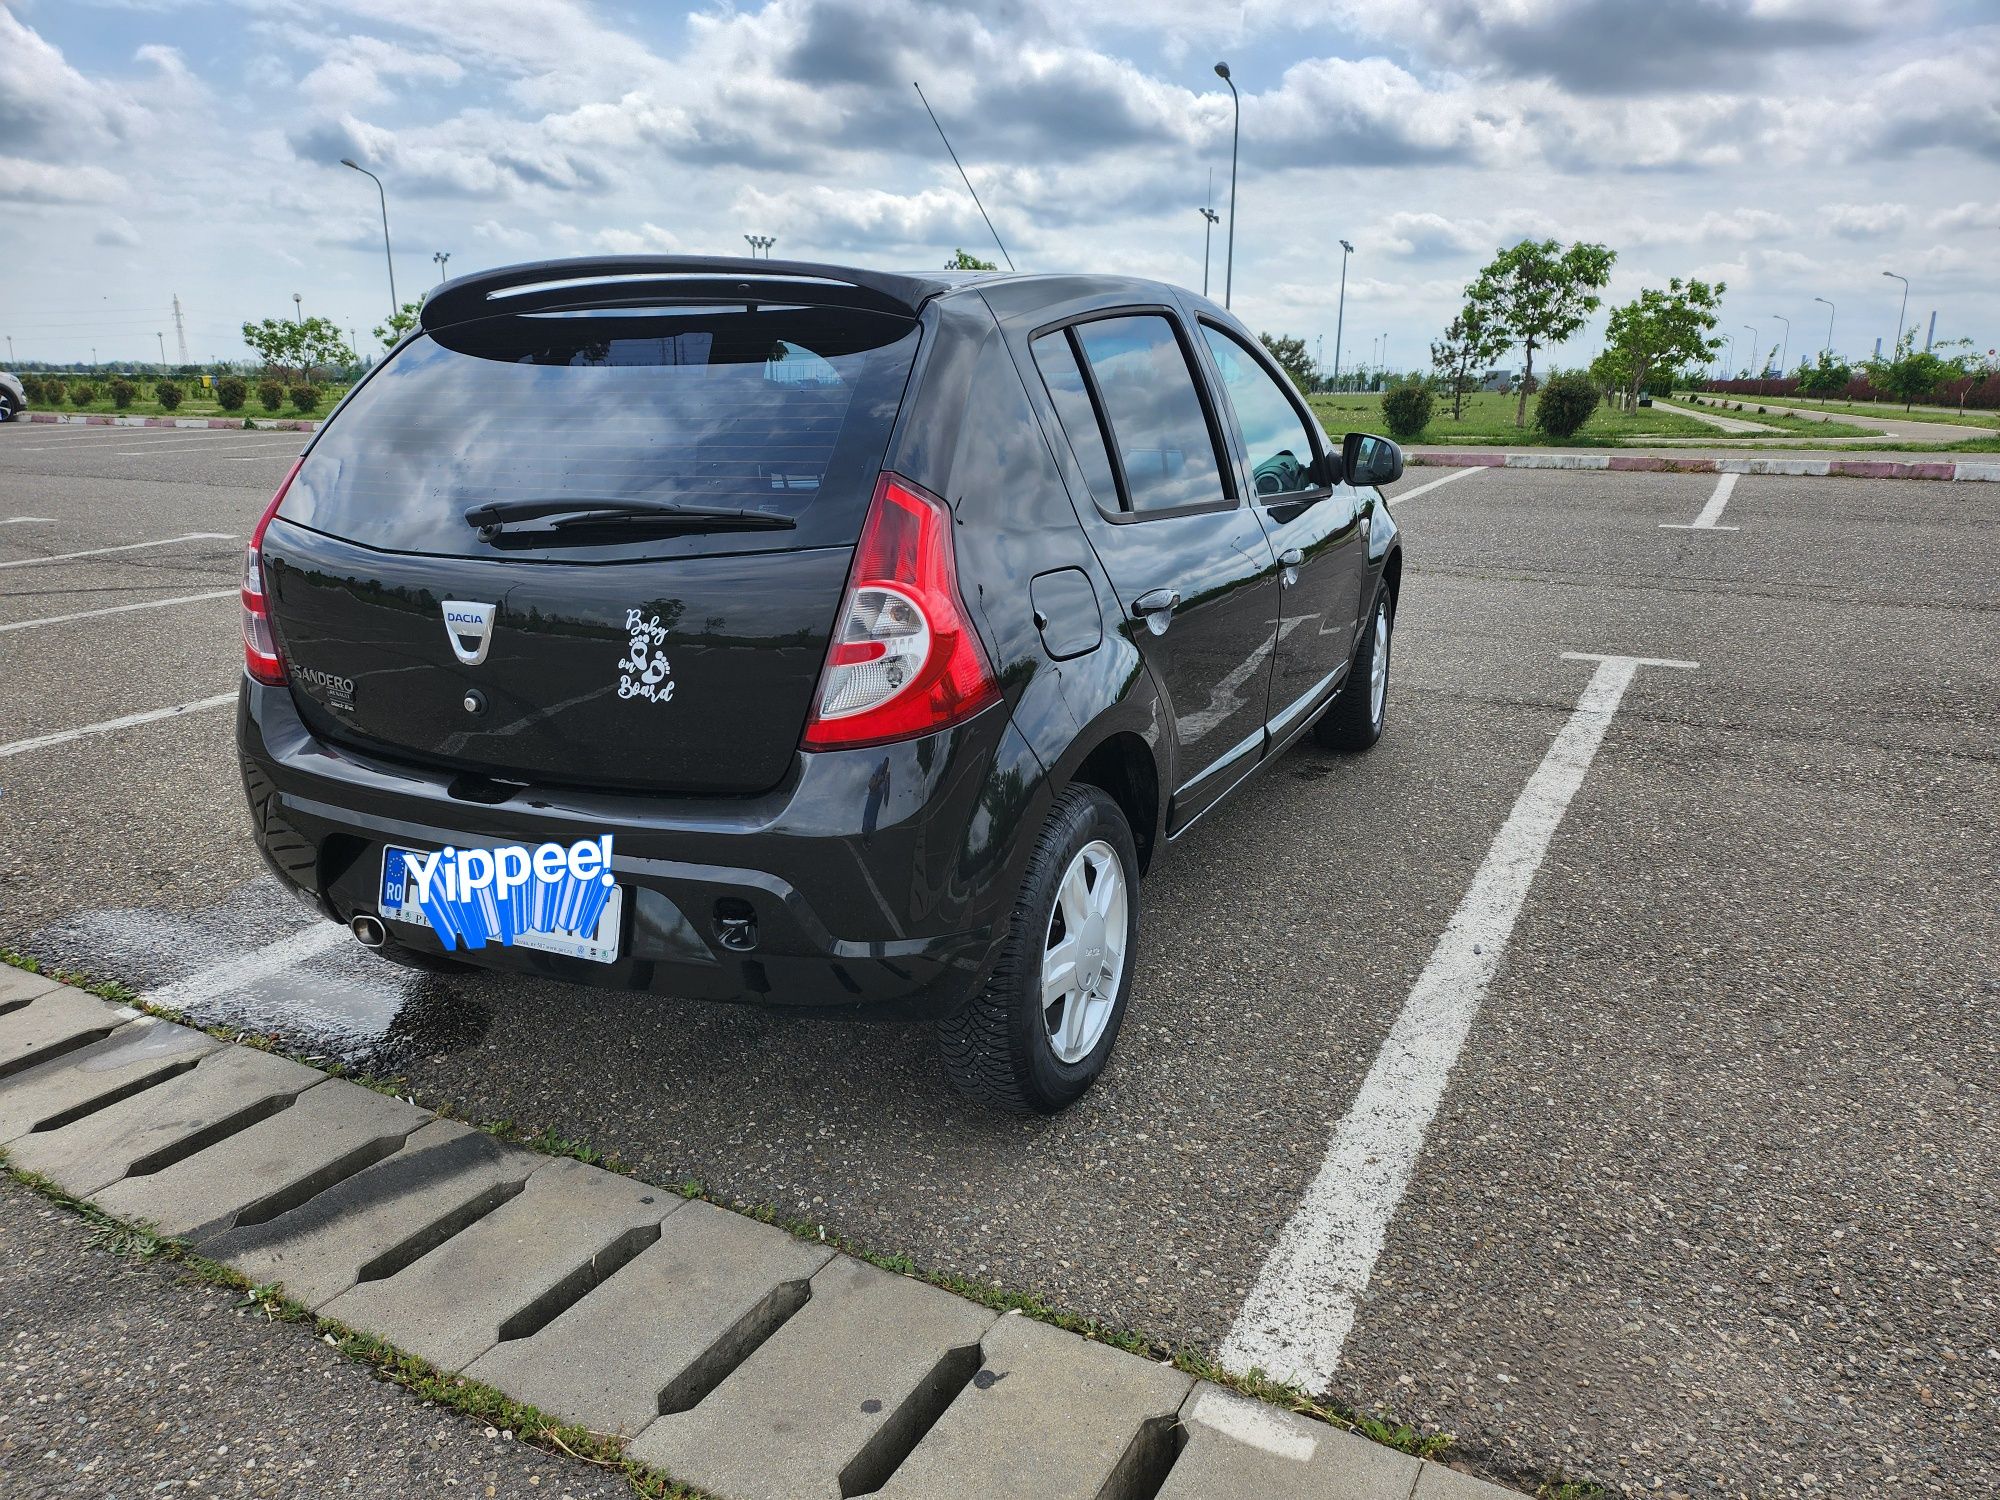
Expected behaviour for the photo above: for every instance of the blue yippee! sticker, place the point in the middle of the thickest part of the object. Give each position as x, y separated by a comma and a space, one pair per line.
475, 896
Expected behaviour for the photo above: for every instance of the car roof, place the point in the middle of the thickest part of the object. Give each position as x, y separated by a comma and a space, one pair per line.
635, 279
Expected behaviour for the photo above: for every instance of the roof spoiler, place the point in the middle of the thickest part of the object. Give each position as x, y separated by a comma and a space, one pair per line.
637, 280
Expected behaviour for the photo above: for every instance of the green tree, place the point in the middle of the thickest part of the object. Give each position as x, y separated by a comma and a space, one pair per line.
965, 260
1539, 293
1461, 357
280, 342
392, 331
320, 343
1664, 330
1290, 353
1824, 376
1912, 373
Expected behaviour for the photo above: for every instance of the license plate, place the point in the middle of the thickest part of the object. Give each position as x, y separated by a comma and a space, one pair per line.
539, 930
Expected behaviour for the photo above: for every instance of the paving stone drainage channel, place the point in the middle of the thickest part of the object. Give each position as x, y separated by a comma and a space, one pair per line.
738, 1358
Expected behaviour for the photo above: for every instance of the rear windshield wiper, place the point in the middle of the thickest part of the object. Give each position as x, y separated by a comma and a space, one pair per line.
573, 515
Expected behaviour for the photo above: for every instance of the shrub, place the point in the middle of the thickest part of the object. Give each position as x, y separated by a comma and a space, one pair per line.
122, 392
1565, 404
1406, 409
271, 394
305, 397
167, 394
231, 392
31, 387
82, 393
53, 393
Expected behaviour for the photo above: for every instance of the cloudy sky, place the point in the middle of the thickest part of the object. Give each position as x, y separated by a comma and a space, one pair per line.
1794, 148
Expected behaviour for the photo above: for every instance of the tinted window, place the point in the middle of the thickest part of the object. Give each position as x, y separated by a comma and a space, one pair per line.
1281, 451
784, 409
1057, 361
1155, 416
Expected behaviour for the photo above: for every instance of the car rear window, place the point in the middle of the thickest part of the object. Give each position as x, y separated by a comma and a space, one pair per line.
785, 409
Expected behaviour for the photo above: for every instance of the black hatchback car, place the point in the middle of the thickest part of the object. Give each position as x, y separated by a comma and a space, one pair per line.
880, 630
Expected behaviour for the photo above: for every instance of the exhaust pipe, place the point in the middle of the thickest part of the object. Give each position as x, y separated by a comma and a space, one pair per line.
368, 930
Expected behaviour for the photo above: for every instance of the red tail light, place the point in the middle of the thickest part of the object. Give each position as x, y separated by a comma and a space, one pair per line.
904, 660
260, 646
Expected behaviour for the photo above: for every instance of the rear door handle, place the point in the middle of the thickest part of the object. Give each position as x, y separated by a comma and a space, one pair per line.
1156, 607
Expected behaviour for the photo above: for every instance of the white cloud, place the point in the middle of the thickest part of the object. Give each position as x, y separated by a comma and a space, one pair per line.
43, 182
1968, 216
357, 71
119, 232
1865, 221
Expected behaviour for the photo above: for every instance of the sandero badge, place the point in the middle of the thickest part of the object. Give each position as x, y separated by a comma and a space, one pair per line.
470, 627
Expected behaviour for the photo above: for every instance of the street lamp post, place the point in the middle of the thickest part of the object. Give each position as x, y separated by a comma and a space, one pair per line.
1785, 351
1897, 342
160, 336
439, 257
388, 258
1729, 369
1235, 137
762, 242
1829, 325
1753, 345
1340, 317
298, 309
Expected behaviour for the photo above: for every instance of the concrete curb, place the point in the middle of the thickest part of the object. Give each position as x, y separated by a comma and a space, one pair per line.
1654, 463
99, 419
737, 1357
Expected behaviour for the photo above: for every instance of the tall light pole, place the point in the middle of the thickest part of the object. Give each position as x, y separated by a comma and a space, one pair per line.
298, 309
1785, 352
1340, 317
388, 258
1829, 325
762, 242
438, 258
1729, 370
1235, 137
162, 337
1753, 344
1897, 342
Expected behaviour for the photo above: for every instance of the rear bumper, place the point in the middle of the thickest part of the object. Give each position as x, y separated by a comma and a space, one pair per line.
876, 880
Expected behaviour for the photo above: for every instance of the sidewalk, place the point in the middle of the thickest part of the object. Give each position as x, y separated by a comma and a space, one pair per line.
739, 1358
1980, 468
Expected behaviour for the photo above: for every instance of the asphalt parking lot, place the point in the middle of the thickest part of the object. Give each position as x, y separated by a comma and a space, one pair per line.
1711, 1202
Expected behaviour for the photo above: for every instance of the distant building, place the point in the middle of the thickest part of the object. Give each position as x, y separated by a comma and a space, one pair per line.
1499, 380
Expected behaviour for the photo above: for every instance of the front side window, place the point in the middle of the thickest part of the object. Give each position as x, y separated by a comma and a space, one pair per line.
1280, 448
1159, 431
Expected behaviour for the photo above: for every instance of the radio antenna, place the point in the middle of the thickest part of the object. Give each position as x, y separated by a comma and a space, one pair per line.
967, 180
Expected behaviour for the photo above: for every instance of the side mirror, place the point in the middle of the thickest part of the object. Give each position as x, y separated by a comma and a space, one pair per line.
1370, 460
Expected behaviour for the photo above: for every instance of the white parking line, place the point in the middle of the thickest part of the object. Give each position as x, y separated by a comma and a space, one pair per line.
64, 736
1711, 512
26, 520
149, 445
259, 963
165, 541
275, 450
1433, 484
1296, 1318
116, 609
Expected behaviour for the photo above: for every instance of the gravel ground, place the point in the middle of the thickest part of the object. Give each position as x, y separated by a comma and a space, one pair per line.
118, 1378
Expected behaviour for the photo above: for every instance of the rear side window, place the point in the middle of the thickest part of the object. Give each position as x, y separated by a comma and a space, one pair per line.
1060, 373
1159, 430
773, 408
1280, 448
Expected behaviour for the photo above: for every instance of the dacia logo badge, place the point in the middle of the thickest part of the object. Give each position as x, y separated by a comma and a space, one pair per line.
469, 628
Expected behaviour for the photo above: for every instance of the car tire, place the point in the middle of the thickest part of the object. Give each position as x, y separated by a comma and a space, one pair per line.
6, 409
1353, 721
1006, 1046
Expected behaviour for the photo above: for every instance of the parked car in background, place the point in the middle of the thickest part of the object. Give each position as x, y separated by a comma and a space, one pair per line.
13, 396
890, 626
